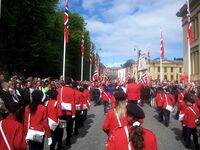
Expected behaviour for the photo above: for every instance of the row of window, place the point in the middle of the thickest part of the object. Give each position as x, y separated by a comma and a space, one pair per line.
172, 69
171, 77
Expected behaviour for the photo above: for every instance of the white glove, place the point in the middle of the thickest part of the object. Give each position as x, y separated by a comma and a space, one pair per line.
49, 141
81, 112
73, 116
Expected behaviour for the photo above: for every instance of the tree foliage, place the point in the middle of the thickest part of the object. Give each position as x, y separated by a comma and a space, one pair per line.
31, 39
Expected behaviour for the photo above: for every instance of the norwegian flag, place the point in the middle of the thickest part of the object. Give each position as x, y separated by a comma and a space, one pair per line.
66, 23
189, 24
82, 45
162, 53
144, 78
91, 53
95, 76
148, 54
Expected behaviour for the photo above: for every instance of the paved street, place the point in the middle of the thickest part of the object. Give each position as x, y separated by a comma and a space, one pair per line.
93, 138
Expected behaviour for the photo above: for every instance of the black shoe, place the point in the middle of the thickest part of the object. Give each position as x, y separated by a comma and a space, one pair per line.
59, 147
76, 133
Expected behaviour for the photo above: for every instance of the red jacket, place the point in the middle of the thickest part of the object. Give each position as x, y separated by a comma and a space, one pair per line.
181, 103
68, 96
133, 91
112, 102
86, 93
105, 96
197, 103
79, 100
190, 116
53, 110
111, 123
38, 120
119, 140
13, 131
159, 101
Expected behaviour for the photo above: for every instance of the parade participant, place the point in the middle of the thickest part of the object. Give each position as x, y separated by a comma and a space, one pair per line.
66, 96
116, 117
96, 93
189, 120
106, 99
133, 136
133, 91
54, 112
11, 132
181, 104
86, 94
3, 109
36, 122
159, 103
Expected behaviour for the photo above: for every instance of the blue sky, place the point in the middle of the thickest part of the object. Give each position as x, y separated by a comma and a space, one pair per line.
119, 26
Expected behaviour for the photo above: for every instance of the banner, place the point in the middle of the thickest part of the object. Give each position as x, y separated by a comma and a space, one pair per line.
142, 65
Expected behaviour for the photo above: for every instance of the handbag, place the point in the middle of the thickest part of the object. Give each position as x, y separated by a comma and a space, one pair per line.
197, 121
168, 107
52, 124
32, 134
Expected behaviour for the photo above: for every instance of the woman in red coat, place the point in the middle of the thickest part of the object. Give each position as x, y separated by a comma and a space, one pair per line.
133, 136
36, 118
116, 117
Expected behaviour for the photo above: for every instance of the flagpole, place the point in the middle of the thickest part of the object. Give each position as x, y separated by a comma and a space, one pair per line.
189, 62
64, 53
82, 68
90, 72
160, 70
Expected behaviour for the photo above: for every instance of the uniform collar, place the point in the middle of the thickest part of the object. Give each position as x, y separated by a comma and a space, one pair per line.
11, 116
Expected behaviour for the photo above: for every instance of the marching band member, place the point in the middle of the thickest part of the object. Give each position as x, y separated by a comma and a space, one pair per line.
133, 136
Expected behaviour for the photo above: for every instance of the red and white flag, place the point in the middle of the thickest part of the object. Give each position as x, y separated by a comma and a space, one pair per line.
95, 76
162, 53
82, 45
66, 23
148, 54
189, 23
91, 53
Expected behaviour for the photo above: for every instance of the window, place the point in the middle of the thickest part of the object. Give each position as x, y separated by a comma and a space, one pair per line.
172, 69
165, 69
180, 70
158, 77
158, 69
172, 77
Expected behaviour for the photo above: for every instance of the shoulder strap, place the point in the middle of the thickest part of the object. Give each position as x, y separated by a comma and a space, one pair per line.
119, 122
29, 120
46, 104
55, 104
127, 135
192, 111
166, 99
4, 137
106, 95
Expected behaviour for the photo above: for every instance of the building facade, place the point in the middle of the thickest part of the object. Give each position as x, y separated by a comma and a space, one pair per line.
195, 47
171, 69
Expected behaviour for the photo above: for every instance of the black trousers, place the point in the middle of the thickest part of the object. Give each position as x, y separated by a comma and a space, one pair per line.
69, 127
160, 113
187, 139
166, 114
56, 138
133, 101
36, 145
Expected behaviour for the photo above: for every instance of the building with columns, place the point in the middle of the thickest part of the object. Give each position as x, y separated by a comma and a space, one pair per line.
195, 47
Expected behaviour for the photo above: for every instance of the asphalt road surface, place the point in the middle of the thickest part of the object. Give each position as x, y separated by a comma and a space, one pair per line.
92, 137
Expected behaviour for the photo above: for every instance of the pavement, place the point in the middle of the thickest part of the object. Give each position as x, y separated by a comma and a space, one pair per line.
92, 137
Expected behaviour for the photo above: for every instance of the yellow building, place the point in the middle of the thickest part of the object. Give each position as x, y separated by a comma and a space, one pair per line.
171, 69
195, 49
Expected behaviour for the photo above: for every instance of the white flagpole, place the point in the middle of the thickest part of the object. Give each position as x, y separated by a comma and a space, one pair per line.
189, 62
90, 72
64, 53
160, 70
82, 68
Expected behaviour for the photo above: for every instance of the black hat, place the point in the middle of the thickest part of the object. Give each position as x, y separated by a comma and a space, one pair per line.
120, 96
53, 94
188, 98
133, 110
37, 95
13, 107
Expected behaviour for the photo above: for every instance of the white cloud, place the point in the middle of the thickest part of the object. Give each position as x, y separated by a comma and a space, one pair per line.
135, 24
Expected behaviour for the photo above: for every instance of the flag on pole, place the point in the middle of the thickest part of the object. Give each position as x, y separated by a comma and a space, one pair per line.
148, 54
162, 53
66, 23
82, 44
91, 53
189, 23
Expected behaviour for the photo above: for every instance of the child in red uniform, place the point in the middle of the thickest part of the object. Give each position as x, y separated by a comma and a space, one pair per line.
133, 136
12, 131
106, 99
189, 120
116, 117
